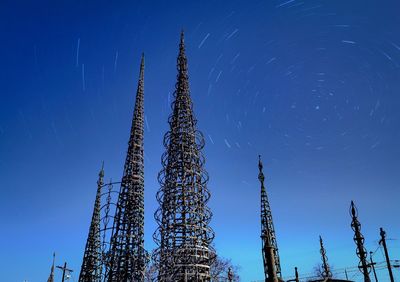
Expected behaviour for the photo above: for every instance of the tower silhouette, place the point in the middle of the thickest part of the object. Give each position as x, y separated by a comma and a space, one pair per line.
326, 271
51, 276
272, 267
91, 264
359, 240
127, 256
183, 234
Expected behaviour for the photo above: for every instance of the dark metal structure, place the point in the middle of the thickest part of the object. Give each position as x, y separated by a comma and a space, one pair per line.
272, 267
383, 242
109, 200
326, 271
372, 264
127, 256
359, 240
91, 265
183, 235
66, 272
51, 276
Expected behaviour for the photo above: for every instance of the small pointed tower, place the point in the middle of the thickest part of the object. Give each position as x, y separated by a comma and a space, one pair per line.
183, 235
51, 276
272, 267
358, 238
128, 257
91, 264
326, 271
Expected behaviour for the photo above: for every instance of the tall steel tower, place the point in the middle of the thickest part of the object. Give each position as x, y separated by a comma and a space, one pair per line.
128, 257
272, 267
326, 271
359, 240
183, 234
91, 265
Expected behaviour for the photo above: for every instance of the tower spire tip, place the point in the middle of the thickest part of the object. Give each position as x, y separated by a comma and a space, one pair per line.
101, 173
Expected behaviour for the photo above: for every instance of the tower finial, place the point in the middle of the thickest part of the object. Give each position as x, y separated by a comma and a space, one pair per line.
261, 177
182, 36
141, 74
353, 209
101, 172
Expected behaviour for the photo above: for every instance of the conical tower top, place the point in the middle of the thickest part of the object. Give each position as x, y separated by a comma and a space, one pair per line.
183, 235
353, 209
138, 111
260, 173
141, 73
51, 276
101, 172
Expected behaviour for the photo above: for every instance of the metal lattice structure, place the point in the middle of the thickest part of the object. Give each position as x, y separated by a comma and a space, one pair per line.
91, 268
183, 235
127, 256
359, 240
51, 276
109, 199
326, 271
272, 267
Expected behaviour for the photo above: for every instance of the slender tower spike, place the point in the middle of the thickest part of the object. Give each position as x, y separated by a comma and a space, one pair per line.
128, 258
183, 235
51, 276
359, 240
91, 265
326, 271
272, 268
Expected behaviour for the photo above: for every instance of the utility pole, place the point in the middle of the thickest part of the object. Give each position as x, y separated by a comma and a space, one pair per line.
65, 270
383, 242
296, 275
345, 272
373, 266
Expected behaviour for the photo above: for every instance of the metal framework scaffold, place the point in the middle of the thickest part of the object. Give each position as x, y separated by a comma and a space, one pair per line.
91, 268
272, 267
183, 235
127, 256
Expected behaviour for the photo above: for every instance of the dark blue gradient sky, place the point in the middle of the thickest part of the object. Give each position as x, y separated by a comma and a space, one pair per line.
311, 85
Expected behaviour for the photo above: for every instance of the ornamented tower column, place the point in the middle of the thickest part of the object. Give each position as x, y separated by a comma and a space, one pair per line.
183, 235
326, 271
358, 238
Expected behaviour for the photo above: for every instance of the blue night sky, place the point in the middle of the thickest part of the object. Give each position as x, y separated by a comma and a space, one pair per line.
311, 85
